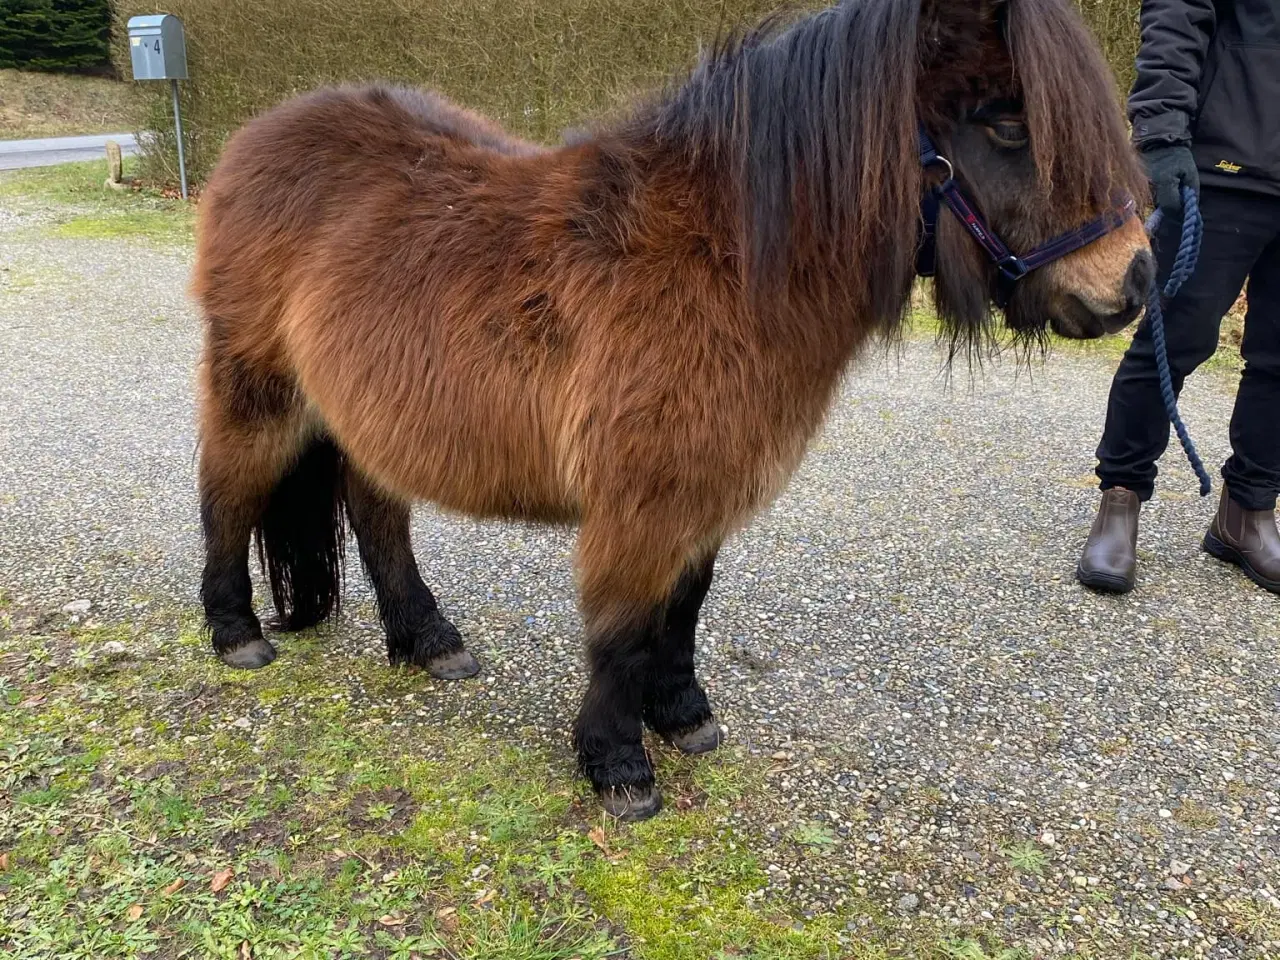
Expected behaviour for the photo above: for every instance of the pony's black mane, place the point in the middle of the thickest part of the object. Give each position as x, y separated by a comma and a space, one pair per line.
812, 118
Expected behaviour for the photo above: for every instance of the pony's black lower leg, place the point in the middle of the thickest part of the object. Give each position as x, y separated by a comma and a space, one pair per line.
609, 732
675, 706
225, 588
417, 633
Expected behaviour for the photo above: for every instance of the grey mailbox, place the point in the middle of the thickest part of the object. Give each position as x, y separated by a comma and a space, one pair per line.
158, 48
158, 51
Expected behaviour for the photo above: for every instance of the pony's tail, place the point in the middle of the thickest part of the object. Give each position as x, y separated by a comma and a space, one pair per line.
301, 538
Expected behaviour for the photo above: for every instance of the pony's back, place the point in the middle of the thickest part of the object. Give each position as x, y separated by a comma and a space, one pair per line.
299, 167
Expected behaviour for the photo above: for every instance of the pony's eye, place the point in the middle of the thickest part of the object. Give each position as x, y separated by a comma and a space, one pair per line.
1009, 134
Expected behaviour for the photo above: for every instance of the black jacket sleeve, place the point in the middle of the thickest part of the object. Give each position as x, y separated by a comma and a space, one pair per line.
1175, 37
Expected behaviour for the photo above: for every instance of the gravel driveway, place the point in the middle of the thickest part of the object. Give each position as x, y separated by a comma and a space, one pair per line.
901, 636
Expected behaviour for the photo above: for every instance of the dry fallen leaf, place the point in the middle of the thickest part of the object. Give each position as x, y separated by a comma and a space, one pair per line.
4, 862
598, 838
221, 879
388, 920
134, 912
174, 887
246, 951
486, 898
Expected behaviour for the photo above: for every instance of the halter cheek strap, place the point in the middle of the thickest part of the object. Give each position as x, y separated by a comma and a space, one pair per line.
1010, 268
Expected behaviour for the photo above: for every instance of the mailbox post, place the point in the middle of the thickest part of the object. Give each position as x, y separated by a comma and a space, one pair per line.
158, 51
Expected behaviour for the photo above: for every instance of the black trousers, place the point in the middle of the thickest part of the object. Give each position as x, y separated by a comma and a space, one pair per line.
1241, 242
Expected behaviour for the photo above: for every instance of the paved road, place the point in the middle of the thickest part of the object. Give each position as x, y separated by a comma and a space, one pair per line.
15, 154
902, 628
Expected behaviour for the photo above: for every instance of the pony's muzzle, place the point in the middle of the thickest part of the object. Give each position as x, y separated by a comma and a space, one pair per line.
1084, 317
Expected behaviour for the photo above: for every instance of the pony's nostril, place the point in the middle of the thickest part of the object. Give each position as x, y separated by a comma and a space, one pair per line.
1138, 279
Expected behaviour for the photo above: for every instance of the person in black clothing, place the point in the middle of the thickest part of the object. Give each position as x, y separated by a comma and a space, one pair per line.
1206, 114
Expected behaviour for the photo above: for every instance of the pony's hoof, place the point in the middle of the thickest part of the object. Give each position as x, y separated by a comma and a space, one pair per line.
632, 803
458, 665
701, 739
249, 656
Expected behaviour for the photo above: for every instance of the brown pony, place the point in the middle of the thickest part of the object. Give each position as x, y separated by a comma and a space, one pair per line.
638, 331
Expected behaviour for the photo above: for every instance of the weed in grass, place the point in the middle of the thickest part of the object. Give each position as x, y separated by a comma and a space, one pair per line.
1193, 815
972, 950
817, 835
1027, 857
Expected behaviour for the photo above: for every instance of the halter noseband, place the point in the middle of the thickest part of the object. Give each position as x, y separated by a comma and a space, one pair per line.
1010, 268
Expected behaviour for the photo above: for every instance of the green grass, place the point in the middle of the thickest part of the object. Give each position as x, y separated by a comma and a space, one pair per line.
159, 805
83, 208
165, 807
34, 105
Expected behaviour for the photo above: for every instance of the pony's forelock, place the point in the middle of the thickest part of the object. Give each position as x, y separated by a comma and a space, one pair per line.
1079, 141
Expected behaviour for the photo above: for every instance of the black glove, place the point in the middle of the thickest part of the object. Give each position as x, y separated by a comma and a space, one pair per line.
1169, 168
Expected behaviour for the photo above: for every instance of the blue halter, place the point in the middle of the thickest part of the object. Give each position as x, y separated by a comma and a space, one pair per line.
1010, 268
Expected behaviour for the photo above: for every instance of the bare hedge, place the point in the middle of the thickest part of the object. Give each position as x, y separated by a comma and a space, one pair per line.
537, 66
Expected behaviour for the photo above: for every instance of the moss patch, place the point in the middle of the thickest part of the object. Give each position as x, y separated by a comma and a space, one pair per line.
160, 226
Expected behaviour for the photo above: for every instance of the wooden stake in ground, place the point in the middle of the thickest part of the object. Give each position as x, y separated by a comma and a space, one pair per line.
115, 167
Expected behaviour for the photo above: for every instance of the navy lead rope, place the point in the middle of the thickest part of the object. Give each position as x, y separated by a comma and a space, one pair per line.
1184, 264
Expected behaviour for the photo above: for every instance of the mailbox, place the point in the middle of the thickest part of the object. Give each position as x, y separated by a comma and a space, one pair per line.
157, 48
159, 52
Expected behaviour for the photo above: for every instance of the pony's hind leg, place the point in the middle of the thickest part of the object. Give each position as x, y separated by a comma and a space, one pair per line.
260, 471
675, 706
237, 474
228, 516
417, 633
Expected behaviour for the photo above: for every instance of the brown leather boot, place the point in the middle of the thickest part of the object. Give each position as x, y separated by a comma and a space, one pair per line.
1247, 538
1110, 556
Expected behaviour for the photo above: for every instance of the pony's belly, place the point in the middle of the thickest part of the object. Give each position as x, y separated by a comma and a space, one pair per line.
497, 502
487, 477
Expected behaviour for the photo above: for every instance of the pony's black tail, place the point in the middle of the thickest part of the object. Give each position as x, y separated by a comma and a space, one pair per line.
301, 538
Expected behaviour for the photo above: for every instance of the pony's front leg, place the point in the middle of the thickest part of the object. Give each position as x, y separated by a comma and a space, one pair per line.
626, 583
675, 706
609, 733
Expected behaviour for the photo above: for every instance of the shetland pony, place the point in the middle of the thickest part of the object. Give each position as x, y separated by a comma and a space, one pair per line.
637, 331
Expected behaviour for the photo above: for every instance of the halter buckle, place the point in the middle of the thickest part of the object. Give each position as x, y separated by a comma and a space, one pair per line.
1010, 270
